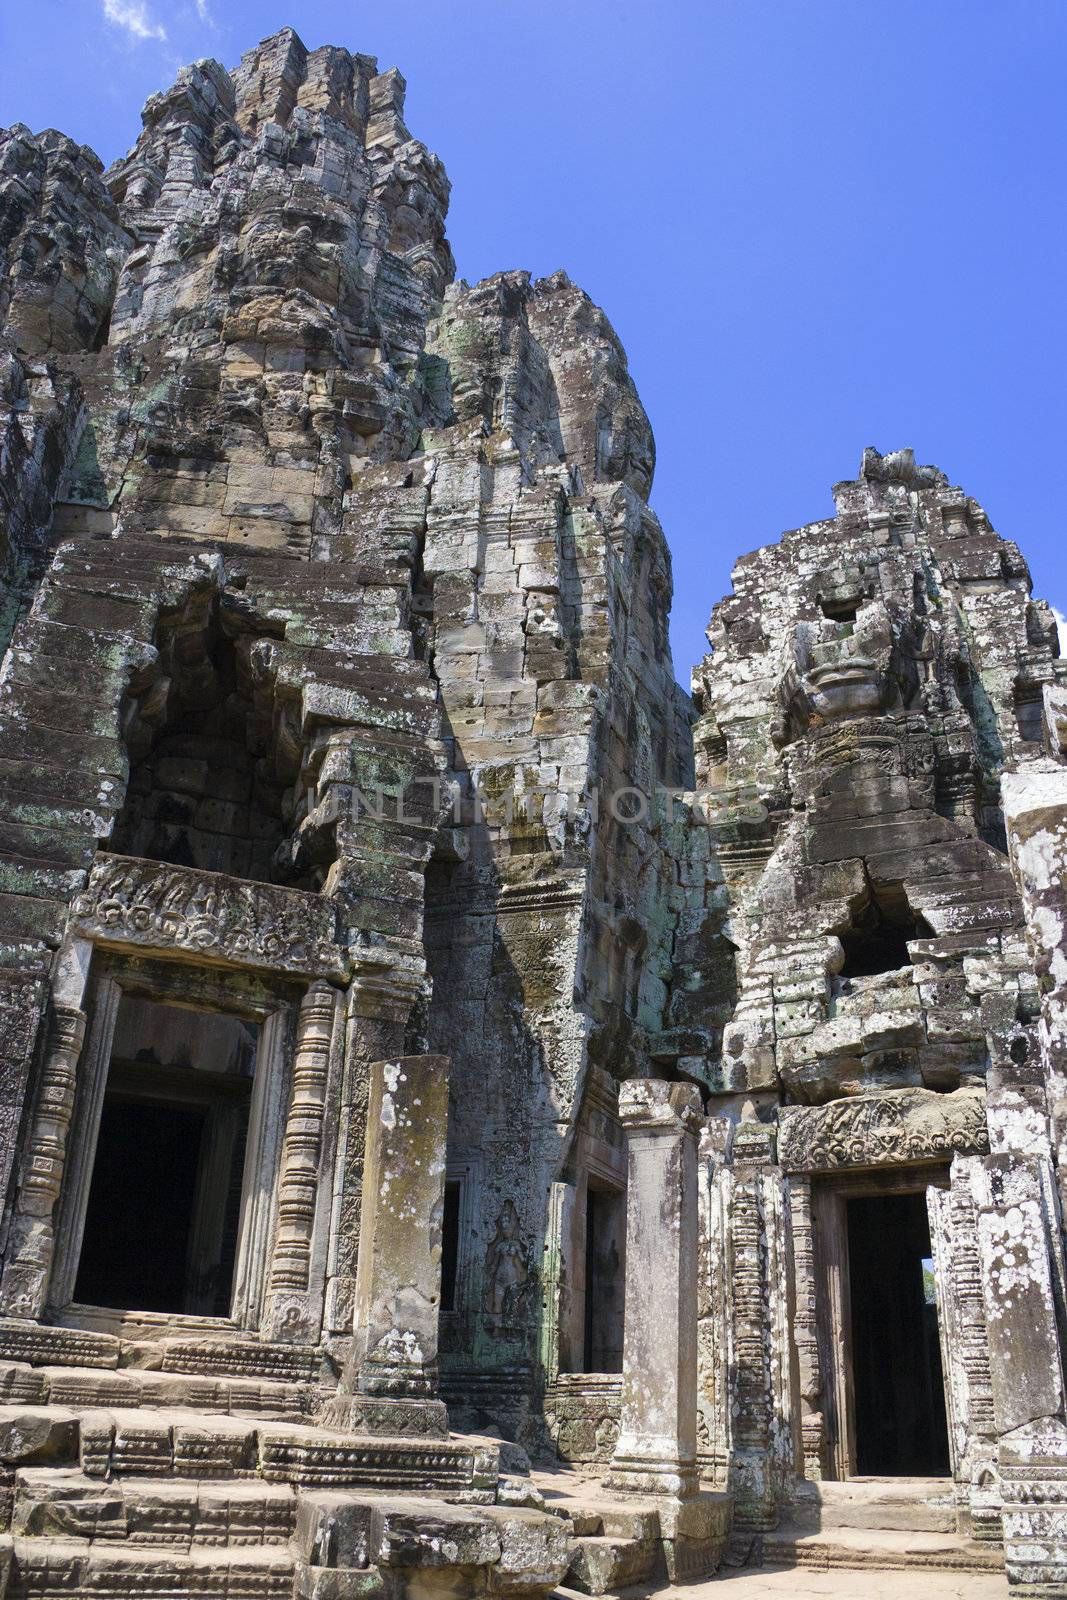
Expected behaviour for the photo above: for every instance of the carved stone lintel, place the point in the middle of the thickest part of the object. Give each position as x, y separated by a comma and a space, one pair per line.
204, 916
32, 1243
896, 1126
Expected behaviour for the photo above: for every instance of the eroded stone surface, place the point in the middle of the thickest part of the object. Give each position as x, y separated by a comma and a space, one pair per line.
338, 701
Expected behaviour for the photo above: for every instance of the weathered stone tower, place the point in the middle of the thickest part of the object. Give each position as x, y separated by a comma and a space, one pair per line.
401, 1029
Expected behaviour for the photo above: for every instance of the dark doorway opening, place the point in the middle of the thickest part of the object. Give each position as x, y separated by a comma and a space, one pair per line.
163, 1217
450, 1244
140, 1206
605, 1247
896, 1355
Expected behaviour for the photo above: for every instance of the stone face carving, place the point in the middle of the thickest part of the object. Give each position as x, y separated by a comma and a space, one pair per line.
336, 627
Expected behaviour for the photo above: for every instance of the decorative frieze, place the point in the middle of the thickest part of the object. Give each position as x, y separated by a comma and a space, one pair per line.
208, 916
899, 1125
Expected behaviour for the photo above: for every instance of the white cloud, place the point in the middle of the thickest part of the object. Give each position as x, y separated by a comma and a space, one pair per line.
134, 17
1061, 623
203, 11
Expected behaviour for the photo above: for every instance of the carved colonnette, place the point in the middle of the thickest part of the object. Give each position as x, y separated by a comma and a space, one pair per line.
761, 1403
24, 1286
806, 1329
294, 1297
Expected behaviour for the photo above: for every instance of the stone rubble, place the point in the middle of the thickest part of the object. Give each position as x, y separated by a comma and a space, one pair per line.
546, 1023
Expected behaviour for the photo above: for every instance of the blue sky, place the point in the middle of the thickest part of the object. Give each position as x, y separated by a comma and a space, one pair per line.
816, 224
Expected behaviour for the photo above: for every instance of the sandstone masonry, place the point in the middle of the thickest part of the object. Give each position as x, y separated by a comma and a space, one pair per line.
429, 1039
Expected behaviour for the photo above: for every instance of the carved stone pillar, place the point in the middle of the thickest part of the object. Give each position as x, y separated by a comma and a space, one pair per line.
31, 1244
965, 1354
1022, 1285
714, 1334
656, 1451
387, 983
755, 1227
294, 1309
391, 1385
806, 1331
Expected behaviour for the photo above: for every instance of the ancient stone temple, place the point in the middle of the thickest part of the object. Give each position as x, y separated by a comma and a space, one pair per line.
432, 1042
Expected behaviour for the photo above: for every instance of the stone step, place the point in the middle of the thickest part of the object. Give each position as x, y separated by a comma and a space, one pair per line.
875, 1548
47, 1568
602, 1565
190, 1444
907, 1505
219, 1355
183, 1515
137, 1389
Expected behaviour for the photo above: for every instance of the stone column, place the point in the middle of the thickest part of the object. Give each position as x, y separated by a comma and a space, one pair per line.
656, 1451
1022, 1283
294, 1311
390, 1387
388, 982
31, 1243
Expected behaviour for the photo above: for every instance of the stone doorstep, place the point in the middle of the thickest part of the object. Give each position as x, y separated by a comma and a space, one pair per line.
624, 1544
223, 1358
875, 1548
905, 1505
139, 1388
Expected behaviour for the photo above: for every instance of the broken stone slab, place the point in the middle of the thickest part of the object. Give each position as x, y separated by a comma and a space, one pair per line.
30, 1436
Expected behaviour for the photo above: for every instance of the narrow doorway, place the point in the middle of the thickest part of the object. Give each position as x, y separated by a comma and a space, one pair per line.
163, 1213
900, 1427
605, 1249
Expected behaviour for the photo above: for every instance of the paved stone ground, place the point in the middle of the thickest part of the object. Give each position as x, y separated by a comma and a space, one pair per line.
801, 1583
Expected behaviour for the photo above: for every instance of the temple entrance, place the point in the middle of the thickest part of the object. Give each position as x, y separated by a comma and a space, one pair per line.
899, 1404
605, 1252
164, 1204
880, 1346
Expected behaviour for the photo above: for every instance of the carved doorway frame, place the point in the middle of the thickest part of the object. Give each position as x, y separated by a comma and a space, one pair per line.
829, 1194
273, 1009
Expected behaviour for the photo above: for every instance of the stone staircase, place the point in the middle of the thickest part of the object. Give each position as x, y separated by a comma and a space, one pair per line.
619, 1545
175, 1503
614, 1548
